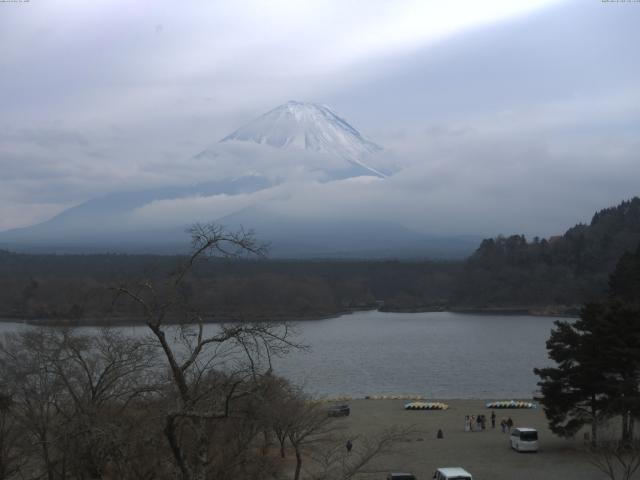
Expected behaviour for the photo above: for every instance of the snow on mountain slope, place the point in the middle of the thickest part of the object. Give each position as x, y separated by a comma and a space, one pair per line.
311, 127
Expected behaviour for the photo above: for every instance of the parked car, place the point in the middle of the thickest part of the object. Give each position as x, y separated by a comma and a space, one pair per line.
401, 476
524, 439
452, 473
339, 411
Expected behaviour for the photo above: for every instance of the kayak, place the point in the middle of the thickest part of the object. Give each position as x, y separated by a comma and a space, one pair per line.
425, 406
511, 404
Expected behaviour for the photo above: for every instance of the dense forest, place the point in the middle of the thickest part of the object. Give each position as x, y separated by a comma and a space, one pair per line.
75, 287
559, 272
505, 273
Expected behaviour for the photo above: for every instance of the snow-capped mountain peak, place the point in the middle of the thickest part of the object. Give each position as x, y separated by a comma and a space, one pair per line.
312, 127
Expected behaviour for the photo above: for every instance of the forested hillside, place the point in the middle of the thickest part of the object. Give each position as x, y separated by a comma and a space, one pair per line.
560, 271
505, 273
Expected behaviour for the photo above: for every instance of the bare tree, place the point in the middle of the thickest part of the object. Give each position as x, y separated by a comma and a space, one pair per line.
618, 460
319, 441
280, 409
334, 462
109, 368
12, 455
69, 396
309, 426
36, 393
188, 401
101, 374
203, 396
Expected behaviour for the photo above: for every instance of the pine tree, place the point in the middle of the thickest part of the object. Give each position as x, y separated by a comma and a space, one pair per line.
574, 392
598, 360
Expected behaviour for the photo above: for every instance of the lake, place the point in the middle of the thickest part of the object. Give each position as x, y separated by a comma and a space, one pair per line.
435, 354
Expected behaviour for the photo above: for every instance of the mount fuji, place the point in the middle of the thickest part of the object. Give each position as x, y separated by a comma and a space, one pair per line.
292, 147
314, 128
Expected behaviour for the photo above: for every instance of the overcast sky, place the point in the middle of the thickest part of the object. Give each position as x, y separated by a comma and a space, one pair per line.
505, 116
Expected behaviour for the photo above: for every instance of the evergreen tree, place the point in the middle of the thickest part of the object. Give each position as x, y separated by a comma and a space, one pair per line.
574, 392
624, 282
598, 360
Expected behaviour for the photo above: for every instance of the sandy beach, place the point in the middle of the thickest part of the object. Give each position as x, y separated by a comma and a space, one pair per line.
485, 454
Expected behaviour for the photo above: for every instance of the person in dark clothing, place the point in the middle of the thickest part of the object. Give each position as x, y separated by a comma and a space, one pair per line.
440, 434
493, 419
509, 424
349, 446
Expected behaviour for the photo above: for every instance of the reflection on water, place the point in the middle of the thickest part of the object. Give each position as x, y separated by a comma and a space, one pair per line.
439, 354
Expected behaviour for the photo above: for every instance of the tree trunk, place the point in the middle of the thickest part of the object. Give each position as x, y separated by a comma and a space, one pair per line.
170, 433
203, 448
47, 460
594, 422
628, 422
282, 453
265, 446
178, 375
298, 463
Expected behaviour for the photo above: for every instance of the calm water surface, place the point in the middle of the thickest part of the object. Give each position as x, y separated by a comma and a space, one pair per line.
439, 354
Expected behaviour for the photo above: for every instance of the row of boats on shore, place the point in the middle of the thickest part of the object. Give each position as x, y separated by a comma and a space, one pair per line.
419, 403
502, 404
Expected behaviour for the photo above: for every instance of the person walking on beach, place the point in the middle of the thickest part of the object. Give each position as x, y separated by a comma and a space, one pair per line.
493, 419
349, 446
503, 425
509, 424
467, 423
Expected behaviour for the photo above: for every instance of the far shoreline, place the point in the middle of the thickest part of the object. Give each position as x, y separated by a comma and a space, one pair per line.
548, 312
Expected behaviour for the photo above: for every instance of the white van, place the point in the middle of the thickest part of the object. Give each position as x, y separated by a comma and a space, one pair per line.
524, 439
452, 473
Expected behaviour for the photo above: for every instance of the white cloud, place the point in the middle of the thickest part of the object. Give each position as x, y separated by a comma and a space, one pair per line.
106, 96
459, 182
